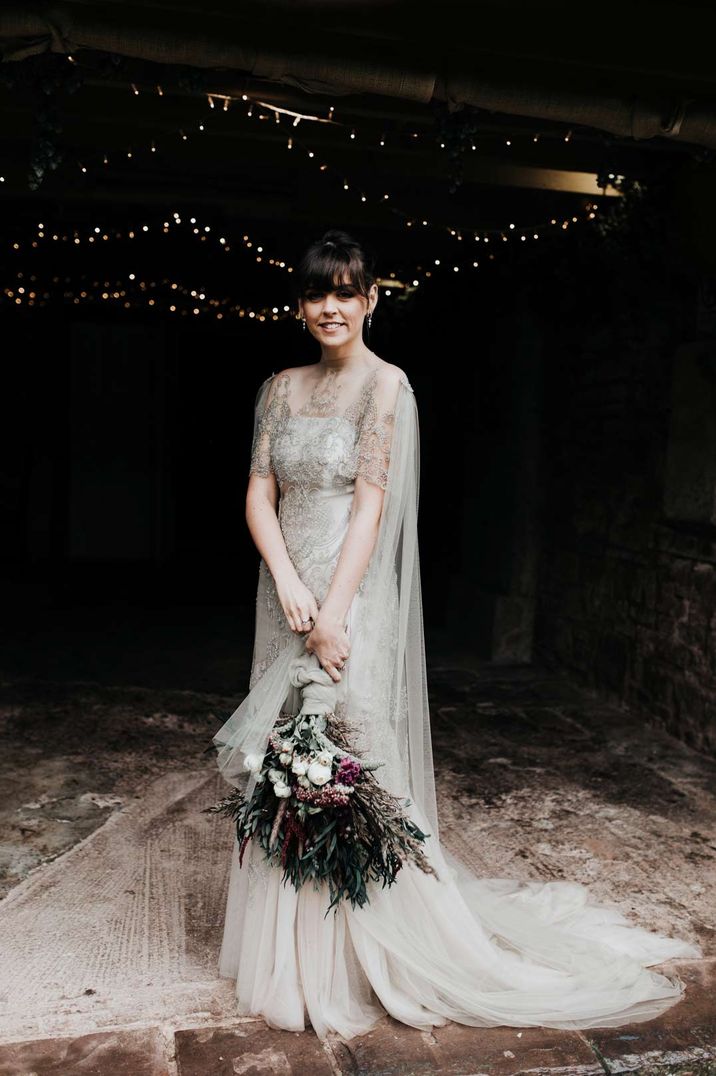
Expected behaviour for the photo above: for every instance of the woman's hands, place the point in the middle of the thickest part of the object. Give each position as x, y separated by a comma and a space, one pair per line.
298, 604
326, 635
330, 643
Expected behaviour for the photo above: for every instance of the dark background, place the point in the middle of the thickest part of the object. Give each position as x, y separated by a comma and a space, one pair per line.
566, 388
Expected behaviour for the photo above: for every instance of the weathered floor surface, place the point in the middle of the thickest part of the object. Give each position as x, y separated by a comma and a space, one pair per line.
115, 881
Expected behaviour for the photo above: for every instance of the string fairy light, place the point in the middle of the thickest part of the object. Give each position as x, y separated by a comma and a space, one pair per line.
206, 234
162, 295
498, 235
386, 199
409, 219
143, 294
203, 232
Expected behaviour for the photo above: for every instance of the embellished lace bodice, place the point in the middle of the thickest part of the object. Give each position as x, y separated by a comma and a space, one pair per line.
316, 452
343, 429
316, 449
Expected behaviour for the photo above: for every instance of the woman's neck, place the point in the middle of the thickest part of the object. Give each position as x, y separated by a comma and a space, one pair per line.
347, 362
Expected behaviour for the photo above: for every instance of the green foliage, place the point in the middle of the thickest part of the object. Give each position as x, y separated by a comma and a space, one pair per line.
364, 836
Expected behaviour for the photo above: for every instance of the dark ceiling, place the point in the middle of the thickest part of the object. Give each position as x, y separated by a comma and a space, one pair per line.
483, 110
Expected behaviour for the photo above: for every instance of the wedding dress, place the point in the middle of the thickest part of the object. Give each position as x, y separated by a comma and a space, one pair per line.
426, 949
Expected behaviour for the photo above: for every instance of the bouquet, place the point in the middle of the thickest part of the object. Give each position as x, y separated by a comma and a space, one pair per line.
318, 811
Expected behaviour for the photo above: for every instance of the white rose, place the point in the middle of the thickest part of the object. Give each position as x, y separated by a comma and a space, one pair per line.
287, 746
300, 765
285, 757
275, 775
253, 763
319, 774
325, 758
281, 790
304, 782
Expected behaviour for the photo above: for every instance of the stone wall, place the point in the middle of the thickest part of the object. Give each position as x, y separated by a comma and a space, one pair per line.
626, 596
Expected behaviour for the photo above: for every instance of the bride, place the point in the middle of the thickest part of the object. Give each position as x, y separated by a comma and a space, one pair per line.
332, 507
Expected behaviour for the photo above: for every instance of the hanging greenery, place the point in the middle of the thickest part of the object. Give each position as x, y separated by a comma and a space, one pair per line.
456, 128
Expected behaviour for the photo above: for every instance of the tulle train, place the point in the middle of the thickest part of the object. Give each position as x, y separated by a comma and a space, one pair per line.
482, 952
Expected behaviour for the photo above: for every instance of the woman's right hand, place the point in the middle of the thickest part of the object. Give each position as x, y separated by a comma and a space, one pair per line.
298, 604
330, 643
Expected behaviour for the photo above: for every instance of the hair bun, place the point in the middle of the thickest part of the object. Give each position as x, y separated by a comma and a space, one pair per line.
335, 237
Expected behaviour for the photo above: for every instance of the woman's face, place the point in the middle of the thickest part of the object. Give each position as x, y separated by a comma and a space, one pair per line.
336, 317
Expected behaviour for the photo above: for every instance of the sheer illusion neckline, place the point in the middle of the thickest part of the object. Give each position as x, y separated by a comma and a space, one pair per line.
325, 395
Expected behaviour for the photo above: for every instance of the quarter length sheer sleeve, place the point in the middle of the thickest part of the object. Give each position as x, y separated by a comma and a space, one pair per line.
376, 429
260, 463
270, 406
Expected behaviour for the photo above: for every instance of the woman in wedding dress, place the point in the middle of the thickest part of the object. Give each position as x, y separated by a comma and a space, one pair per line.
332, 507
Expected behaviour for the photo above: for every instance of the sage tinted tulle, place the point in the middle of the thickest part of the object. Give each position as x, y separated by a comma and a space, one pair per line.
479, 951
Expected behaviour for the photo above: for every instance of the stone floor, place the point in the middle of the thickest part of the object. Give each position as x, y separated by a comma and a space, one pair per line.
115, 881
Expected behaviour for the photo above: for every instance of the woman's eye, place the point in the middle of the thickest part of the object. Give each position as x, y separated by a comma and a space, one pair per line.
314, 296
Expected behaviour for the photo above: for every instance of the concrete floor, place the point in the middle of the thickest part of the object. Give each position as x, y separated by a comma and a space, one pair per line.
115, 881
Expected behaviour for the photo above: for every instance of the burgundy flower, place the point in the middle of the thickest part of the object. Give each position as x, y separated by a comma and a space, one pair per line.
348, 771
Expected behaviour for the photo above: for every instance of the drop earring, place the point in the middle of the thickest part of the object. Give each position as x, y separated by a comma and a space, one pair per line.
304, 322
370, 319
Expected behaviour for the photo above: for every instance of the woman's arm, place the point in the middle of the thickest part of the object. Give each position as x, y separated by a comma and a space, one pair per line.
329, 639
263, 524
356, 550
296, 599
262, 496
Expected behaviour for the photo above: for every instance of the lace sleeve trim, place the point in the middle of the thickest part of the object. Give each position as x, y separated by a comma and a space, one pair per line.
376, 435
267, 422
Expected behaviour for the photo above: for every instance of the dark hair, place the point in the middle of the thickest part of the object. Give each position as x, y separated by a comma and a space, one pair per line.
323, 264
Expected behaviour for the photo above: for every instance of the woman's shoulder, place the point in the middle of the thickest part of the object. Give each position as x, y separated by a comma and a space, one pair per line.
278, 384
289, 373
390, 375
